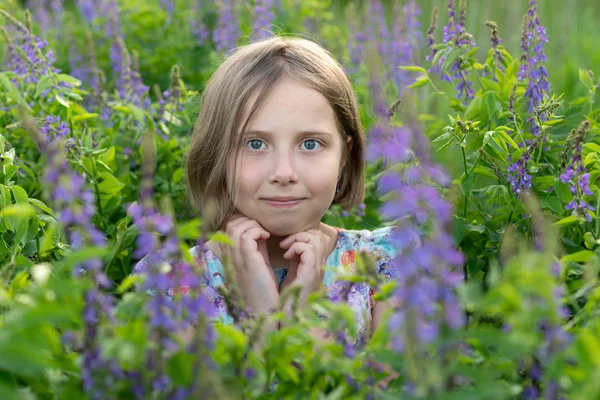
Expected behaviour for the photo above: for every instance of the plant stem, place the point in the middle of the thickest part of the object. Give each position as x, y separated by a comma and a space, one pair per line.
597, 217
466, 202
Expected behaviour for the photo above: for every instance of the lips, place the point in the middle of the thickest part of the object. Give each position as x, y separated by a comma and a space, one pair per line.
283, 202
283, 199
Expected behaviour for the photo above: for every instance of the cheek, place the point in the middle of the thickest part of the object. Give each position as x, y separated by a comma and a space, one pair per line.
249, 177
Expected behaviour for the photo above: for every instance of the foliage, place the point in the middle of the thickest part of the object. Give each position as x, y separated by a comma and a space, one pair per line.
92, 178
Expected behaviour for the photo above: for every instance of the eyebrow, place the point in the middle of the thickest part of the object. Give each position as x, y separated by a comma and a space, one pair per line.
299, 133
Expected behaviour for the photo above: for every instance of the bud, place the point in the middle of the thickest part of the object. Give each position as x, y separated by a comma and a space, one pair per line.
41, 272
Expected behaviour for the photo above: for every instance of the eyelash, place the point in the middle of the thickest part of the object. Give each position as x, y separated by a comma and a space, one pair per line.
314, 140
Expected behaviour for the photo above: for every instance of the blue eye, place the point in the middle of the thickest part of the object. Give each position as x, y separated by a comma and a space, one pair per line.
255, 144
311, 144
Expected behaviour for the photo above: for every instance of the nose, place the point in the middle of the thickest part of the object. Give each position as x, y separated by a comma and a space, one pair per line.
283, 170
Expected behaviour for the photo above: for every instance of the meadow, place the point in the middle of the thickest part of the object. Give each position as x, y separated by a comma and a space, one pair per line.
480, 122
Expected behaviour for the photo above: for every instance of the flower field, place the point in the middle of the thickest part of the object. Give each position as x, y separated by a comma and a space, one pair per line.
483, 151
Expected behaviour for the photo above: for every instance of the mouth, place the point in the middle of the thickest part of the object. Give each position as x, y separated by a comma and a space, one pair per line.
280, 202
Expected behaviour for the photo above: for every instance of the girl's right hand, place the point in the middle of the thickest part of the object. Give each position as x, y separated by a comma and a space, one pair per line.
252, 269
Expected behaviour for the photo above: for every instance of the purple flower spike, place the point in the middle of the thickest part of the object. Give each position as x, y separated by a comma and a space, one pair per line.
531, 66
263, 19
227, 32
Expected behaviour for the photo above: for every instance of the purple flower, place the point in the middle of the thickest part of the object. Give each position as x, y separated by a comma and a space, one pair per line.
405, 41
457, 38
431, 35
576, 174
518, 177
227, 32
171, 100
169, 6
495, 39
198, 27
263, 19
130, 87
25, 55
531, 63
75, 206
427, 261
87, 8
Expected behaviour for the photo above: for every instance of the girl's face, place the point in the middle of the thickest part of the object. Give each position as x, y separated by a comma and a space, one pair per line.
292, 151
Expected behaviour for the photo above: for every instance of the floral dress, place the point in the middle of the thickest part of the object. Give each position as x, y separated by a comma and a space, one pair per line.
341, 262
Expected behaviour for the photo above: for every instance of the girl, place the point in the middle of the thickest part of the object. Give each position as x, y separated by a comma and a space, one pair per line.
278, 140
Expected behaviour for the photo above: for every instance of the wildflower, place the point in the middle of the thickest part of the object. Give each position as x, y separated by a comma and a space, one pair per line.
76, 207
130, 87
576, 175
431, 35
263, 19
165, 270
227, 31
404, 42
170, 100
199, 29
426, 261
451, 29
495, 39
169, 6
25, 53
455, 35
518, 177
87, 8
531, 63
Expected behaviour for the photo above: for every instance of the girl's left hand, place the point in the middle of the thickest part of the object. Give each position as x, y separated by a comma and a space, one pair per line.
307, 251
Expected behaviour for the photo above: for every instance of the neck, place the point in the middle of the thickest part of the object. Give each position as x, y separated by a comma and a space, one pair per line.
276, 253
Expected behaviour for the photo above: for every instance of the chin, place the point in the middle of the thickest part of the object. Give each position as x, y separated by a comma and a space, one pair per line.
280, 228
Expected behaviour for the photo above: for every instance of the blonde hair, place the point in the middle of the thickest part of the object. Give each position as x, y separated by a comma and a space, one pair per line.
251, 72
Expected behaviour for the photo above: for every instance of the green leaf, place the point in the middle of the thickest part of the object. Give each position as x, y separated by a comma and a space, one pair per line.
109, 184
8, 391
84, 117
483, 171
507, 137
179, 368
553, 203
20, 195
22, 357
420, 81
580, 257
45, 82
69, 79
567, 221
221, 237
61, 100
9, 172
128, 282
468, 183
563, 191
5, 199
108, 155
12, 92
413, 68
592, 147
474, 109
41, 205
493, 105
489, 84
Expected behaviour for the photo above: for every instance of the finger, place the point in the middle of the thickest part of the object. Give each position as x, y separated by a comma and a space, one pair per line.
239, 228
248, 239
304, 236
306, 251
